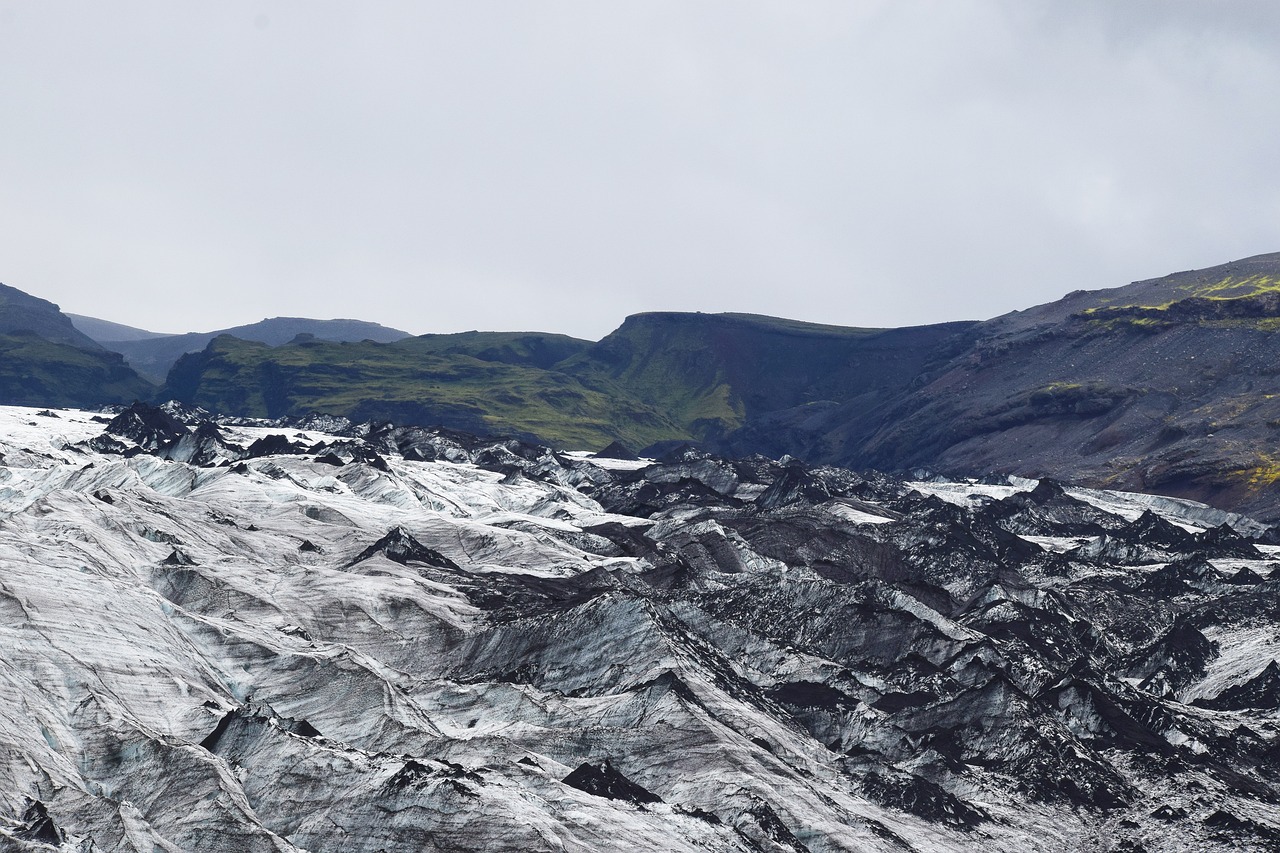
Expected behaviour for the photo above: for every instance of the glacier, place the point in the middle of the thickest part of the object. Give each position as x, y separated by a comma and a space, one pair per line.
227, 635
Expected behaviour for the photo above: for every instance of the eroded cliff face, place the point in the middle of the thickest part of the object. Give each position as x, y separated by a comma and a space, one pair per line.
327, 636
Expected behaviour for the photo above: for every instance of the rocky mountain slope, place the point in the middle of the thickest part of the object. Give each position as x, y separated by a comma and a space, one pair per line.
1170, 385
713, 373
22, 313
660, 377
331, 636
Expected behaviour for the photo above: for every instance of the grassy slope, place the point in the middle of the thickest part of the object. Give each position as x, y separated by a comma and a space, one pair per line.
713, 372
37, 372
21, 312
532, 349
659, 376
154, 356
417, 380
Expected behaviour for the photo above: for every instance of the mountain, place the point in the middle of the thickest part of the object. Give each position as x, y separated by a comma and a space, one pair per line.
37, 372
1166, 385
23, 313
154, 356
659, 377
322, 635
105, 330
46, 361
712, 373
480, 382
1169, 385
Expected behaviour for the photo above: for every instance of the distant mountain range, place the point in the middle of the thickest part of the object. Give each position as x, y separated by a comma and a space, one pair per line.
1168, 384
152, 355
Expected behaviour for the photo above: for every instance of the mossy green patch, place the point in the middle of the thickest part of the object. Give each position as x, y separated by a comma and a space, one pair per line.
1264, 474
1232, 287
413, 381
1224, 289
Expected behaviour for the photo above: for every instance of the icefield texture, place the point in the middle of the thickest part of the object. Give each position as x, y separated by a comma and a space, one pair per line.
226, 635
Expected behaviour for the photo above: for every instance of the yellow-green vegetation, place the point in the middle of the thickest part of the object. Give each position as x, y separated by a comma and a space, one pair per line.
660, 376
1224, 410
1264, 474
1230, 302
1224, 289
670, 366
1231, 287
413, 381
1111, 319
1068, 391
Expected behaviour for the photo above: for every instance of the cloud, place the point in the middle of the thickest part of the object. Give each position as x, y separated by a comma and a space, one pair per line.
558, 165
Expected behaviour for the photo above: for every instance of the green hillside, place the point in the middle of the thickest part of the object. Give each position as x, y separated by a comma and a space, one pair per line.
660, 376
428, 380
714, 372
531, 349
38, 372
22, 312
46, 361
154, 356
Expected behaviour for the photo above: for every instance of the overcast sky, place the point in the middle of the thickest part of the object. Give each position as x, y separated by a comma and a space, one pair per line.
558, 165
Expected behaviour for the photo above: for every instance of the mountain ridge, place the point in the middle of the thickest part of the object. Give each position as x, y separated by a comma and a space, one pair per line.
1168, 384
105, 330
22, 312
423, 380
1165, 384
46, 361
155, 355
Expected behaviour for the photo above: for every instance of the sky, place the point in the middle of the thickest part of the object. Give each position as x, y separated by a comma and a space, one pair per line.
556, 166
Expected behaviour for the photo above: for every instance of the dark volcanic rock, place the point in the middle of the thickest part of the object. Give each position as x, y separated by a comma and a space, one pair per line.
617, 450
150, 427
921, 797
1176, 658
1261, 692
274, 445
795, 484
204, 446
1049, 510
38, 827
605, 780
399, 546
1223, 542
178, 557
1151, 529
1179, 577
